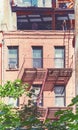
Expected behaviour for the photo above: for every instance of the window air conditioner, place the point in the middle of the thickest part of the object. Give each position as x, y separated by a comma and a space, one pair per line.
12, 66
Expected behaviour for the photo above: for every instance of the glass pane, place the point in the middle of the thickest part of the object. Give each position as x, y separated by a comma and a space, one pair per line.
34, 3
12, 61
59, 90
37, 53
37, 57
37, 63
12, 57
59, 53
30, 2
59, 101
13, 102
59, 63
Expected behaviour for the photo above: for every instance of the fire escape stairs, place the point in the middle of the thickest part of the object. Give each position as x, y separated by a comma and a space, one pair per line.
43, 84
66, 44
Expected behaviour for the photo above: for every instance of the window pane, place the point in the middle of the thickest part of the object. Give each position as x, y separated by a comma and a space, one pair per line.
59, 53
30, 2
37, 53
37, 63
59, 63
59, 95
37, 57
59, 90
13, 102
59, 101
12, 57
59, 57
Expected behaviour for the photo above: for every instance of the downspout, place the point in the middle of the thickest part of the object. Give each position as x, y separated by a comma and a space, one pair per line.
3, 61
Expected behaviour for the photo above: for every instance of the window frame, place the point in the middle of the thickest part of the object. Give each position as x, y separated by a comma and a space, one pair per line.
17, 57
40, 87
60, 96
59, 58
36, 58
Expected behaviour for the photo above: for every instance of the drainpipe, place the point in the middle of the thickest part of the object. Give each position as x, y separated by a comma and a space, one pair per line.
3, 66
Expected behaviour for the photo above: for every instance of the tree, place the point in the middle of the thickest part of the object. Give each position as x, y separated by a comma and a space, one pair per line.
12, 118
9, 117
68, 120
28, 116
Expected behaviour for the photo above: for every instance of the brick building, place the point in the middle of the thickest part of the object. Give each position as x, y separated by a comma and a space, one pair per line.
40, 52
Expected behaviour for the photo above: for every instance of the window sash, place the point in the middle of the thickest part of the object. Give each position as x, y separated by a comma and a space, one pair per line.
59, 95
59, 59
37, 57
59, 63
37, 62
13, 57
59, 101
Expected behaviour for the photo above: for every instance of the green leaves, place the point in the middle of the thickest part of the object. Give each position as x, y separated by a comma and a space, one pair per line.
28, 115
13, 89
9, 118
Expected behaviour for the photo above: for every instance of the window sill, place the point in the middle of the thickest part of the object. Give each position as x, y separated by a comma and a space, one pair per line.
12, 69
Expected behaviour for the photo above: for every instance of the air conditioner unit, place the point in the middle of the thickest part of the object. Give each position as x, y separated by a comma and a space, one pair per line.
12, 66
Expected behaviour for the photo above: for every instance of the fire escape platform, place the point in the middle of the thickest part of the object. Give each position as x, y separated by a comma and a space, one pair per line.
55, 76
49, 113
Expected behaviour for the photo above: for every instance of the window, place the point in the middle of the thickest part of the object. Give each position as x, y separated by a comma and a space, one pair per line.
37, 57
13, 102
12, 57
59, 57
59, 95
37, 89
30, 2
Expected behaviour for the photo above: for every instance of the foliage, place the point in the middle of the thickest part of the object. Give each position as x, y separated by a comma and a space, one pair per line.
28, 116
11, 118
68, 120
13, 89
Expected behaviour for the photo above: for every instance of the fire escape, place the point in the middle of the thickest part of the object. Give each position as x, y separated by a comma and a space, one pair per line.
48, 77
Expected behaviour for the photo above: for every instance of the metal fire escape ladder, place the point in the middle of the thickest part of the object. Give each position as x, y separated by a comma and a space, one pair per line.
43, 84
46, 114
66, 44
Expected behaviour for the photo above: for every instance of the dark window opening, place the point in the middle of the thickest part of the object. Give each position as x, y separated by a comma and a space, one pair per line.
34, 22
